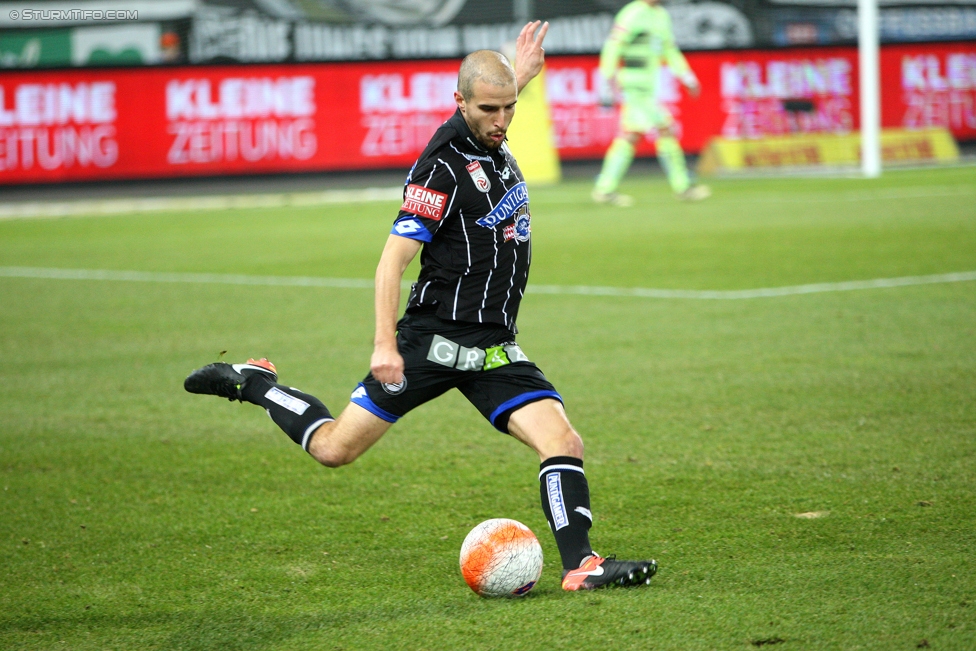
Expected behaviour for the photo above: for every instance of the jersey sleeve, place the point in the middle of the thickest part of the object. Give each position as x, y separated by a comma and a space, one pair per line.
428, 199
672, 55
612, 48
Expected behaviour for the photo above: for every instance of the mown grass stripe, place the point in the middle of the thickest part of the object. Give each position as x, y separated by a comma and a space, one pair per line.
121, 206
200, 278
577, 290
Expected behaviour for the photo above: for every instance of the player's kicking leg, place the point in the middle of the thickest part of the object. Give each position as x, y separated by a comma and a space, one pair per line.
544, 427
330, 441
672, 159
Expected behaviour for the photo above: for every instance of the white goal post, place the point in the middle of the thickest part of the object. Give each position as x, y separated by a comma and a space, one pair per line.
870, 86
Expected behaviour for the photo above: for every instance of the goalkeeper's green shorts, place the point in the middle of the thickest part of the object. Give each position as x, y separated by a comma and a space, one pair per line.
641, 111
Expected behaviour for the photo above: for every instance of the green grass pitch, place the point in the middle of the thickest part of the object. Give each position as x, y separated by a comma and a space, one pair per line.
135, 517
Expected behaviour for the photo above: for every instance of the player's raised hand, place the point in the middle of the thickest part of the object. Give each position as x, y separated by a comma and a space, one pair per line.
529, 55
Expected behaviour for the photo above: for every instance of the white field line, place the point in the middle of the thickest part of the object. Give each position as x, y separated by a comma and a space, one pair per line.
578, 290
888, 194
848, 196
76, 208
765, 292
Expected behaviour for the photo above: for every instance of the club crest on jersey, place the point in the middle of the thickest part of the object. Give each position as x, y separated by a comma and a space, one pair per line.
520, 229
508, 207
424, 202
395, 389
478, 175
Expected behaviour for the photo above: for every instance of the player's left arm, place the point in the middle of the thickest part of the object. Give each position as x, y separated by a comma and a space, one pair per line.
529, 55
677, 62
386, 363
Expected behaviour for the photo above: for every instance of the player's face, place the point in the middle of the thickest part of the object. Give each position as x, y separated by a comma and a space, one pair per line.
488, 112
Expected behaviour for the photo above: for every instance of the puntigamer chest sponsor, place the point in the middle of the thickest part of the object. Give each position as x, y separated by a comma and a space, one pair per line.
515, 201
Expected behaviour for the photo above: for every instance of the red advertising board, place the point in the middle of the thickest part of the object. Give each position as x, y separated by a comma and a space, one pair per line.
70, 125
930, 86
164, 122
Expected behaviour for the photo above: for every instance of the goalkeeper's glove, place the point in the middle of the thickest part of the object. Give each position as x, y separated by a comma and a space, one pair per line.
690, 82
606, 95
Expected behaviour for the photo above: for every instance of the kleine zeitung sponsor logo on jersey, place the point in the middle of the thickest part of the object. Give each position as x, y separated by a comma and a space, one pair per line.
424, 202
57, 126
247, 119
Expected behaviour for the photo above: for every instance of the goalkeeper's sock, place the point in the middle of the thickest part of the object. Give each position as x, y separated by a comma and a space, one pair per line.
297, 413
615, 165
672, 159
566, 502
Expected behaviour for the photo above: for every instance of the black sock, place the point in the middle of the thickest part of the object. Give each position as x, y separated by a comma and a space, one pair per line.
297, 413
566, 502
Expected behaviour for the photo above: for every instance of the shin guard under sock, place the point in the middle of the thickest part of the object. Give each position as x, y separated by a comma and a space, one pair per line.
615, 165
566, 502
297, 413
672, 159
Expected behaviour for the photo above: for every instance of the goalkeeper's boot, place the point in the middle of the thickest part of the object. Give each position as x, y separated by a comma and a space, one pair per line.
597, 572
612, 198
695, 193
225, 380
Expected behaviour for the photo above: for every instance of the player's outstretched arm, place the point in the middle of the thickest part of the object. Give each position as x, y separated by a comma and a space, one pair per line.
529, 55
386, 363
677, 63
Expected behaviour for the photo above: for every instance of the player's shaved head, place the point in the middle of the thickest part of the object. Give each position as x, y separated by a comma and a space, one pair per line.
487, 66
486, 96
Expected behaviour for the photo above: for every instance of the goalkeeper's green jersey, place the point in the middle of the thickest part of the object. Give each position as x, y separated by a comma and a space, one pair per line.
640, 41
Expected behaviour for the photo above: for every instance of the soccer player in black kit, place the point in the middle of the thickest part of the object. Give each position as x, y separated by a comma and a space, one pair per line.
466, 211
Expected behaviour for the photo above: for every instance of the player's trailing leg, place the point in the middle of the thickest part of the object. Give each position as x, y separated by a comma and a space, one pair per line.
566, 502
615, 165
672, 159
256, 381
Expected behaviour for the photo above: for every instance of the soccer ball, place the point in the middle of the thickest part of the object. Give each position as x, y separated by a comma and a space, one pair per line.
501, 558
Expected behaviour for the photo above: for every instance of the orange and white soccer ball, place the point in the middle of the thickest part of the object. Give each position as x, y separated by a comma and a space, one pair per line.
501, 558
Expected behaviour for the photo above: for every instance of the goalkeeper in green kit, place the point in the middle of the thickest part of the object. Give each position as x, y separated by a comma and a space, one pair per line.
640, 41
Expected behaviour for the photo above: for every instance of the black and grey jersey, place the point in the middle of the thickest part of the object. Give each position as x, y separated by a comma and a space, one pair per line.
470, 207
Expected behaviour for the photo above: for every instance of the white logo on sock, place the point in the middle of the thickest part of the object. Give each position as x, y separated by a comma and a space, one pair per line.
556, 504
291, 403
